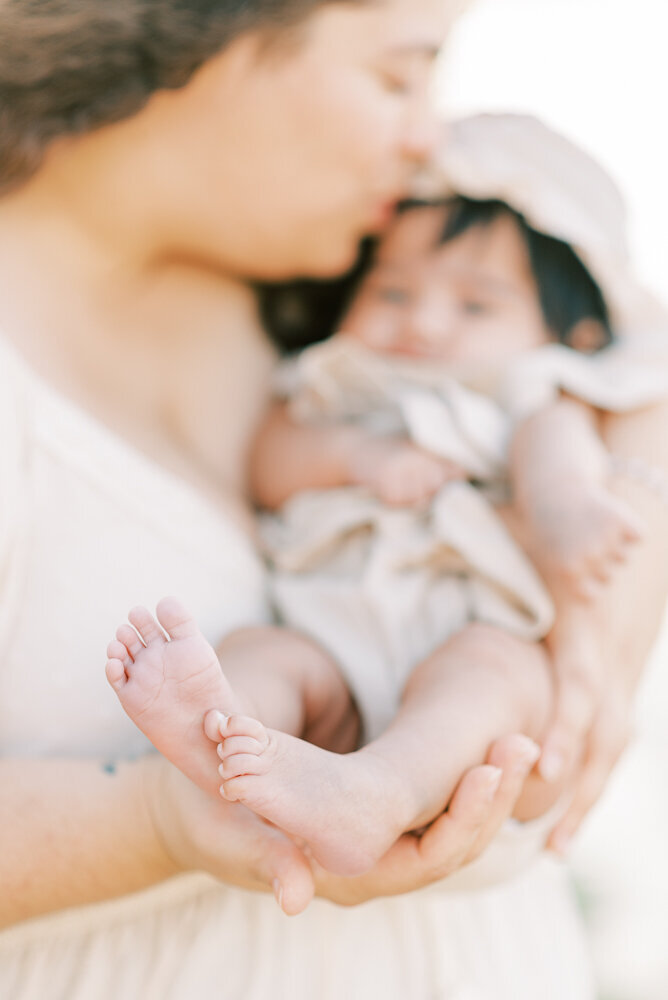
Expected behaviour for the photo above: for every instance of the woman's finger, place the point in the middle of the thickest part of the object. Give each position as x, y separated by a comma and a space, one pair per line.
579, 674
483, 800
575, 707
416, 861
608, 739
447, 843
589, 788
224, 839
515, 755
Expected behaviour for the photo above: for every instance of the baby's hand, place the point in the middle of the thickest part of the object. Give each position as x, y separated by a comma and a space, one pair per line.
578, 535
398, 472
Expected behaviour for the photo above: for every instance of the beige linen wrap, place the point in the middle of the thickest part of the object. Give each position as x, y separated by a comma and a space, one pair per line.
381, 587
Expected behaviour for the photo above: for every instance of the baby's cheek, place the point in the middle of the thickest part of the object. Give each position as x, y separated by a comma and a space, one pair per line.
373, 327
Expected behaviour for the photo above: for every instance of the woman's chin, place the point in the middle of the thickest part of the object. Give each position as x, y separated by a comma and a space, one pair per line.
334, 261
322, 264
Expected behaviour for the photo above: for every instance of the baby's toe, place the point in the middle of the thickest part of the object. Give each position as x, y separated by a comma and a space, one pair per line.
244, 725
241, 744
117, 651
176, 621
213, 720
130, 639
146, 625
116, 674
242, 763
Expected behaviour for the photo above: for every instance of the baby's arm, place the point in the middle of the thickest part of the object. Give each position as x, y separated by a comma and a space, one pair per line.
576, 531
574, 528
288, 457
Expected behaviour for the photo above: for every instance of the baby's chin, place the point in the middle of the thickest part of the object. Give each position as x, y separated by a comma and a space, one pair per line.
408, 351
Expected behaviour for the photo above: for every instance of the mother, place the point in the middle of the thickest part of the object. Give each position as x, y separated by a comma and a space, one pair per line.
151, 154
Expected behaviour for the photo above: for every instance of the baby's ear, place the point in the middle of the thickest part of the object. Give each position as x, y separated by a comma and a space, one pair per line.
588, 336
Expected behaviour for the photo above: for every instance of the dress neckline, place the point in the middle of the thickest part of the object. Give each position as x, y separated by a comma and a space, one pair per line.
85, 424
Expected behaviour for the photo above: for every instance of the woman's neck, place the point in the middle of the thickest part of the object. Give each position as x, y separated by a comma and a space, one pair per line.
150, 348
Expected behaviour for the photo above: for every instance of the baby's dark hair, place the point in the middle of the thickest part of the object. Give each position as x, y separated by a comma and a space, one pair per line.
566, 290
305, 312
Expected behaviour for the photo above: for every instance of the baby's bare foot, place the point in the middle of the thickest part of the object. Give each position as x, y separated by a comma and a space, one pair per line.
166, 683
348, 808
579, 537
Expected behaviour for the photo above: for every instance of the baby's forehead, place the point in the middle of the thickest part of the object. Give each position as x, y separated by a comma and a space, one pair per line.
415, 232
416, 246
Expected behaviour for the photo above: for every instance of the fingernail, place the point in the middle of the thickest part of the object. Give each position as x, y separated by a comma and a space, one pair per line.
528, 755
551, 765
278, 892
492, 782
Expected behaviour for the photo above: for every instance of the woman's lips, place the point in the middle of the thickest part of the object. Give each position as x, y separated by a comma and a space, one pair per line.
382, 214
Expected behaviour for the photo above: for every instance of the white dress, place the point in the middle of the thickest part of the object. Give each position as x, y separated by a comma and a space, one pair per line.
88, 527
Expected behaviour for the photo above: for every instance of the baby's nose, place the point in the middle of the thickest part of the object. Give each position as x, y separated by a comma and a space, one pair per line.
430, 323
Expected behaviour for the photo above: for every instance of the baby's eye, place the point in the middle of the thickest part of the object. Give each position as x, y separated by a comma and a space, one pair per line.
474, 307
395, 83
393, 296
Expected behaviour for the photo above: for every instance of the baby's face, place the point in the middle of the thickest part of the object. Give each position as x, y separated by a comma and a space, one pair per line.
473, 299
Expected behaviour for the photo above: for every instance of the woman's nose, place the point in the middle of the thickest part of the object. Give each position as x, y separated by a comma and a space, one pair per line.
422, 132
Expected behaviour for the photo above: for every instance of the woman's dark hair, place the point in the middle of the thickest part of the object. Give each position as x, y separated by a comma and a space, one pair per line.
70, 66
304, 312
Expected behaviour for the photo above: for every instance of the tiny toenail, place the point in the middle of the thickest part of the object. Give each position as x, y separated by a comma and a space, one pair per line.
552, 765
528, 755
221, 770
492, 783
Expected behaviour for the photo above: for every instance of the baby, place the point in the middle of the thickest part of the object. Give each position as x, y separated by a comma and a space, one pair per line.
411, 476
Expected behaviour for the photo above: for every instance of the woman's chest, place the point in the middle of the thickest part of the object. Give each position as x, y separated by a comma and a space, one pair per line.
102, 529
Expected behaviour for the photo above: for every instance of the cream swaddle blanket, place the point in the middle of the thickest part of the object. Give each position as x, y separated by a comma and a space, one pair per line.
381, 588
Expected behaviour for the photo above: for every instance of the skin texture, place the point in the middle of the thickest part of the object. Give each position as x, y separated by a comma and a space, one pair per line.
148, 247
472, 300
136, 239
596, 720
167, 677
466, 302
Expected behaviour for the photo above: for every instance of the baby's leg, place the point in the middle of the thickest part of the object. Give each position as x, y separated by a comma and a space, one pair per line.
290, 683
167, 678
480, 685
483, 683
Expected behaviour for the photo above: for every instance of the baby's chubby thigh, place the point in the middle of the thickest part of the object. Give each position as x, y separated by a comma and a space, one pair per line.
500, 684
376, 624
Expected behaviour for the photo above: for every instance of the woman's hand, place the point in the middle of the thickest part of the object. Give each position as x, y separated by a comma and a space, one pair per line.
201, 833
593, 718
575, 645
484, 799
605, 742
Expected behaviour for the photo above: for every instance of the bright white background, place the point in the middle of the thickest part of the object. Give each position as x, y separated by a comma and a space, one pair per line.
598, 71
